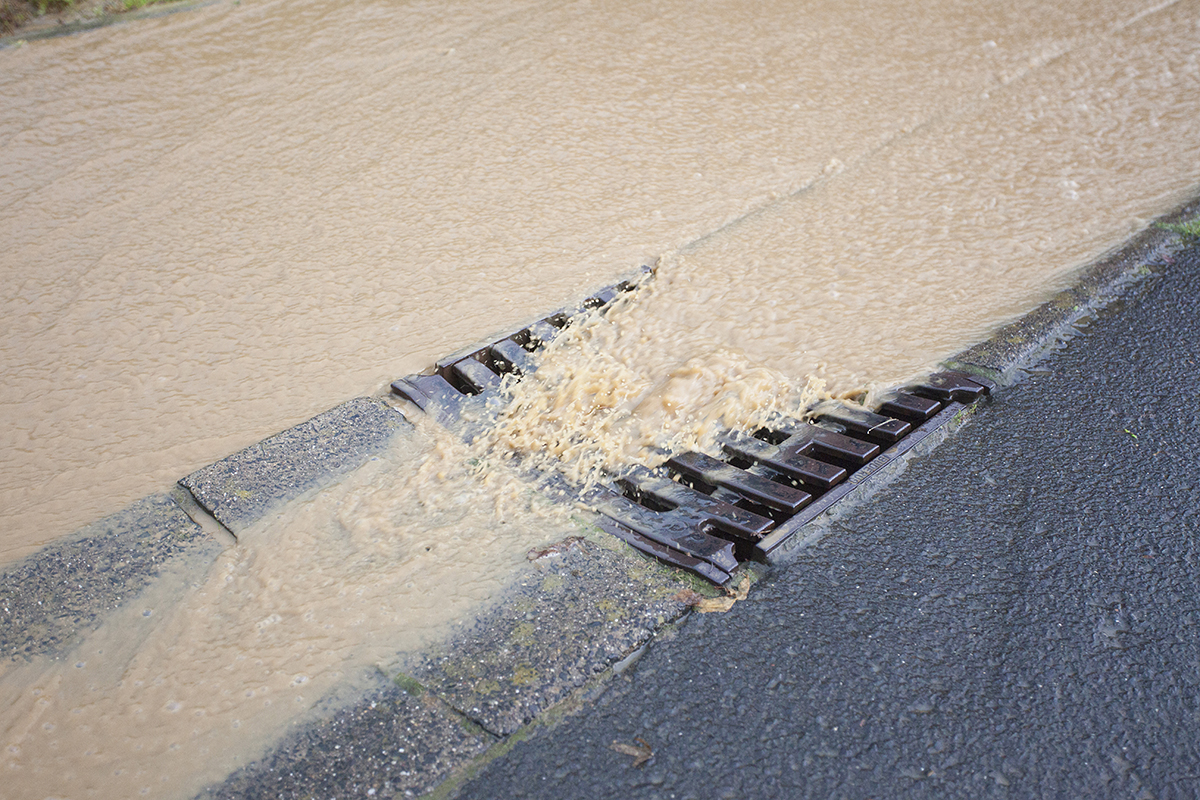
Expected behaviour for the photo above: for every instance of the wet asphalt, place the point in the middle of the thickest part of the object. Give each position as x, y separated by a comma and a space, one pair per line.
1017, 616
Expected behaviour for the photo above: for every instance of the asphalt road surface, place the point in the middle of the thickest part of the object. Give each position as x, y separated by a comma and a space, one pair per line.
1017, 616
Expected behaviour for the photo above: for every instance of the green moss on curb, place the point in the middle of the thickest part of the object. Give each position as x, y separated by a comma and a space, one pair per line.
1189, 230
410, 685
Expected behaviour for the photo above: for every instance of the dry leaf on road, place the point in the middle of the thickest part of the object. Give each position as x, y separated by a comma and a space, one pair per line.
641, 752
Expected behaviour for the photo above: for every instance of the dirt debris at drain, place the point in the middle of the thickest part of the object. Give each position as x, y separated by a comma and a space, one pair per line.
706, 514
720, 603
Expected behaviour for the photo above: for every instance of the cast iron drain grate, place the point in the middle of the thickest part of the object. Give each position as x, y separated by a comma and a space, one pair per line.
461, 391
704, 514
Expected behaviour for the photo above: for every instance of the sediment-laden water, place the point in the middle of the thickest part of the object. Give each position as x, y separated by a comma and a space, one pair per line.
220, 223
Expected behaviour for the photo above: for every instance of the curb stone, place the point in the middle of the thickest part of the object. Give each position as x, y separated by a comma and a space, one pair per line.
364, 749
578, 610
241, 489
49, 599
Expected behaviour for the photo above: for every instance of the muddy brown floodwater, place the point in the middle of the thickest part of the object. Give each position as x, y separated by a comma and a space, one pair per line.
220, 223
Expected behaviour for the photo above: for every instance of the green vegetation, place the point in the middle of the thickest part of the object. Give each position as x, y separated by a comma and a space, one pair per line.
13, 14
1188, 230
53, 5
69, 15
410, 685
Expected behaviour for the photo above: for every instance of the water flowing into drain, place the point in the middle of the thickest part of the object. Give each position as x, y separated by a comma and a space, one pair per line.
705, 512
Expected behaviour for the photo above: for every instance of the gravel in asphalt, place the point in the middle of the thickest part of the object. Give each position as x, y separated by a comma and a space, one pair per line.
1017, 616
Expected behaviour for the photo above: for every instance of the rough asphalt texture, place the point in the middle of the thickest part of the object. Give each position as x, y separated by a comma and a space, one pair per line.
1018, 616
580, 608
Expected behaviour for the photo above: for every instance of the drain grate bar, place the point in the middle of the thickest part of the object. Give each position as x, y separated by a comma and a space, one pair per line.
704, 513
681, 529
910, 406
861, 422
788, 462
758, 488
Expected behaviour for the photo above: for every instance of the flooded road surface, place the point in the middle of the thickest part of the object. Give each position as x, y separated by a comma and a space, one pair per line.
221, 223
889, 265
175, 692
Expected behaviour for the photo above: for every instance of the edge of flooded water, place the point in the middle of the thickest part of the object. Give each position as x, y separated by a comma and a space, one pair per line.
565, 624
1007, 354
1014, 350
38, 29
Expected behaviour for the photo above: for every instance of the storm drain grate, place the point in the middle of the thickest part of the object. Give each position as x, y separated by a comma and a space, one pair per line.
697, 512
462, 390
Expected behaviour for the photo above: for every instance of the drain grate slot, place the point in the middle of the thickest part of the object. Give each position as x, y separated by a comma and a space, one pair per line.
644, 499
769, 436
695, 483
510, 356
700, 512
541, 334
814, 440
469, 380
753, 507
470, 376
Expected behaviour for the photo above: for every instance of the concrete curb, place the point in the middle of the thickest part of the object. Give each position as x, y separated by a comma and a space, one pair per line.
51, 598
239, 490
363, 748
581, 608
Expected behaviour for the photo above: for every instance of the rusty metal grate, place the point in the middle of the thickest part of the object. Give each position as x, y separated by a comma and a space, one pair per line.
704, 514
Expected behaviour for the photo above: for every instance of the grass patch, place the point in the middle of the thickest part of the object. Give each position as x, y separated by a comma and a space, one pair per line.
44, 6
13, 14
1188, 230
65, 16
